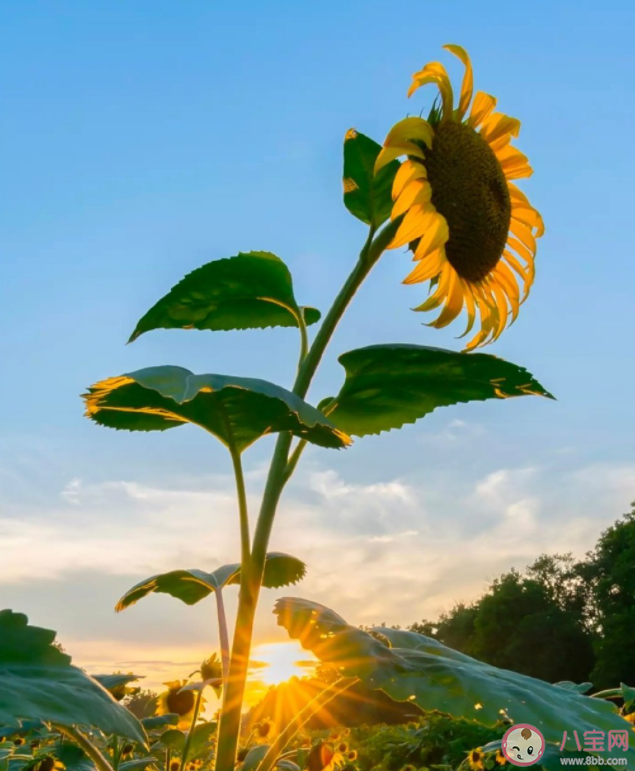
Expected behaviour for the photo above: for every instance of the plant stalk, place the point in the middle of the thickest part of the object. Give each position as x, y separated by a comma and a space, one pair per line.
229, 729
188, 739
223, 634
85, 743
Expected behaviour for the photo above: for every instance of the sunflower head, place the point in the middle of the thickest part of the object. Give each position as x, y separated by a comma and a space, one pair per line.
175, 765
179, 702
321, 757
265, 729
500, 759
476, 759
471, 230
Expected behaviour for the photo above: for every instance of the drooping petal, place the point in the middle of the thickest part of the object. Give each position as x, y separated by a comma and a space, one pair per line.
427, 268
467, 85
453, 304
441, 291
435, 72
402, 139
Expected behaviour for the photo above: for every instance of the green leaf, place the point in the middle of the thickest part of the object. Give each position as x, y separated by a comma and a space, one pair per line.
191, 586
159, 721
236, 410
202, 739
367, 196
415, 668
577, 687
132, 765
251, 290
72, 756
387, 386
116, 685
254, 756
174, 739
38, 682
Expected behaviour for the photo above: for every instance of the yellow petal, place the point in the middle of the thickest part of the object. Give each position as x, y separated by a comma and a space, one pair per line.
435, 72
426, 269
435, 236
388, 154
441, 291
416, 222
481, 108
498, 124
524, 235
530, 217
417, 192
520, 248
453, 303
470, 308
407, 172
402, 140
503, 274
468, 79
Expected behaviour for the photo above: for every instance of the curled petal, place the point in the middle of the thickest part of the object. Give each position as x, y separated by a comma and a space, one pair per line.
467, 86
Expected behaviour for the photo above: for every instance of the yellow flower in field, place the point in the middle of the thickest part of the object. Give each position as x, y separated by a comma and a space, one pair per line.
476, 759
265, 729
501, 760
178, 702
472, 231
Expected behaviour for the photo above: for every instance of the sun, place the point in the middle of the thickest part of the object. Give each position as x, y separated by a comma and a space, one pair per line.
274, 663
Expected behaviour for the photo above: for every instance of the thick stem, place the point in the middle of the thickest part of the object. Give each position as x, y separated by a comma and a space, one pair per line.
188, 739
84, 742
285, 737
250, 588
223, 634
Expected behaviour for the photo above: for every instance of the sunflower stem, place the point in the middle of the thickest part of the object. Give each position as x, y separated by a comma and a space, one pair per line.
251, 579
305, 714
85, 743
242, 505
223, 634
188, 739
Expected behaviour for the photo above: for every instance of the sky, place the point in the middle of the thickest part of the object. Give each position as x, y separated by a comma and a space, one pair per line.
141, 140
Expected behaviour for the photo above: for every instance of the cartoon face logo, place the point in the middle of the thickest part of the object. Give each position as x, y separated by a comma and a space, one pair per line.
523, 745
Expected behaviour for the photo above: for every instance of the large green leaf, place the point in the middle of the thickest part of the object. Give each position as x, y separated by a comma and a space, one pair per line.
191, 586
251, 290
237, 410
412, 667
389, 385
368, 196
38, 682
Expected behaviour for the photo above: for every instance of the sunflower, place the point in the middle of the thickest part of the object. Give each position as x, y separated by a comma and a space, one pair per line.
265, 729
501, 760
472, 231
176, 701
475, 758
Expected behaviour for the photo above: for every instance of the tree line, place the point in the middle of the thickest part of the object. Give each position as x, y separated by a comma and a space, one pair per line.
560, 619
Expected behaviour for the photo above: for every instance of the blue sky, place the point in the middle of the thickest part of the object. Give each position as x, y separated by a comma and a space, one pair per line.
140, 140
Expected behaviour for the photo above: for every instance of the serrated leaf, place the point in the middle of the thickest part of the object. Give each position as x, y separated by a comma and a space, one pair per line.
387, 386
368, 196
251, 290
191, 586
236, 410
38, 682
434, 677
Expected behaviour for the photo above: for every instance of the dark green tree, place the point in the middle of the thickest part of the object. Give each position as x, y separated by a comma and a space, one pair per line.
610, 573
